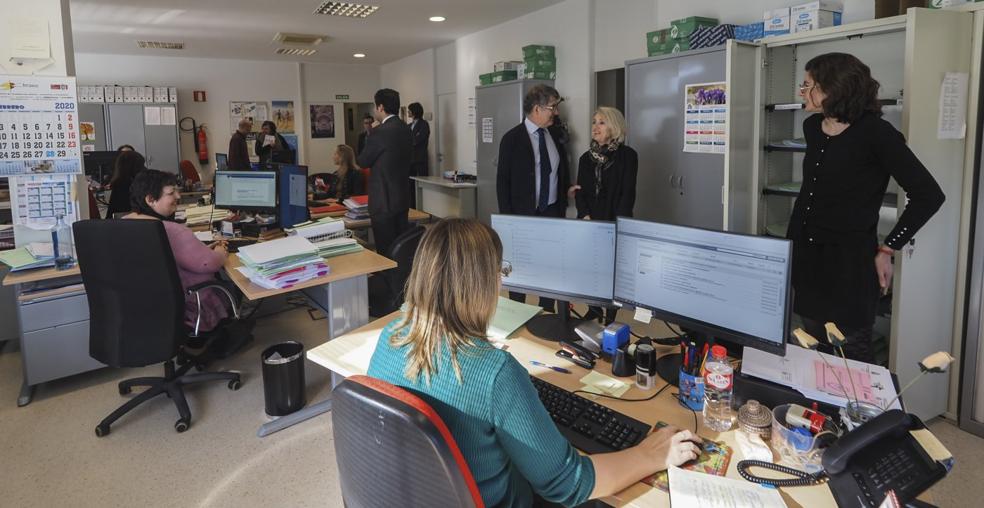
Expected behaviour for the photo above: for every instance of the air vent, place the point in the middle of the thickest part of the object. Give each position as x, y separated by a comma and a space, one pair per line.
298, 39
160, 45
296, 51
346, 9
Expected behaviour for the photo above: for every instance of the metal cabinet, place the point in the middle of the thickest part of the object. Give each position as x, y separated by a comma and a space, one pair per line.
499, 107
125, 124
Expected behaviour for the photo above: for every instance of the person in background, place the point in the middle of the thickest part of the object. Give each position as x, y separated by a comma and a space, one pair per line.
348, 178
420, 133
438, 349
271, 146
238, 159
606, 178
532, 174
366, 128
839, 269
387, 152
125, 148
128, 164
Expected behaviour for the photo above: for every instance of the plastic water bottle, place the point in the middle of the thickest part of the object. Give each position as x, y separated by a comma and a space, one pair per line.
718, 387
61, 244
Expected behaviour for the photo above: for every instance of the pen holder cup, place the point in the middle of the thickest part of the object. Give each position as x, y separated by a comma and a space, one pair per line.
799, 451
692, 391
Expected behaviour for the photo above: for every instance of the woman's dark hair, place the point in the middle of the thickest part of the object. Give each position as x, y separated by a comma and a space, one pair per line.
126, 147
149, 182
416, 110
126, 167
389, 99
847, 82
271, 125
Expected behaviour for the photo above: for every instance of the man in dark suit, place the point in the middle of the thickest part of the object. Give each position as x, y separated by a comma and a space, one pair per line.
532, 175
387, 154
366, 127
420, 133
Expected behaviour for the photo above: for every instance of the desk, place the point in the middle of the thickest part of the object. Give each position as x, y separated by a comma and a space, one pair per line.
444, 198
413, 216
349, 355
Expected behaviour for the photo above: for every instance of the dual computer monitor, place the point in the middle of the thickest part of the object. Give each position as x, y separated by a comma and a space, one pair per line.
728, 286
280, 188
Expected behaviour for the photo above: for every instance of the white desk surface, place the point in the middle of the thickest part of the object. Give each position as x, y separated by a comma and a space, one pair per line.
444, 182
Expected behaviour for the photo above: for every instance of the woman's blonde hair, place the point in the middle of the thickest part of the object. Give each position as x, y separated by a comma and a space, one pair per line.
614, 121
347, 156
451, 294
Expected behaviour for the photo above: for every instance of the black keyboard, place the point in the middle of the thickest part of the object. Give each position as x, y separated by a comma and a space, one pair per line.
235, 244
589, 426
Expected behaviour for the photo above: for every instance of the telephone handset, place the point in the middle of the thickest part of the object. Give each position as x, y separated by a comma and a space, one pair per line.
837, 456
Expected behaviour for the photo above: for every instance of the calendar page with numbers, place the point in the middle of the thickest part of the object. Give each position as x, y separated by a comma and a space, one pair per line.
39, 126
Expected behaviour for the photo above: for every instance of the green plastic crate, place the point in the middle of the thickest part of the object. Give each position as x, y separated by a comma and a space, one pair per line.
541, 65
485, 79
682, 28
499, 77
538, 51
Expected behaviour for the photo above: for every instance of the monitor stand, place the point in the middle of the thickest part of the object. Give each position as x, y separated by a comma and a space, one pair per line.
556, 327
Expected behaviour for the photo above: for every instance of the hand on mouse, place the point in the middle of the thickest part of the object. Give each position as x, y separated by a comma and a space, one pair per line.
670, 447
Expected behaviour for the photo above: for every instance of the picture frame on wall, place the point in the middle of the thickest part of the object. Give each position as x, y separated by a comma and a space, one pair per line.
322, 121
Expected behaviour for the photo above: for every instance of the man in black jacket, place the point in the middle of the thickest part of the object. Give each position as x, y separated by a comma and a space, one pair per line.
387, 155
532, 175
366, 127
420, 134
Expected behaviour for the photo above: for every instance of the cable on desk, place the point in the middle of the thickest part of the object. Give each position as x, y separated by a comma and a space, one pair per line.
651, 397
800, 478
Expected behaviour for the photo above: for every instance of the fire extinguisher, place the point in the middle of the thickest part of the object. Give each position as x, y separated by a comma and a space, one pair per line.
202, 145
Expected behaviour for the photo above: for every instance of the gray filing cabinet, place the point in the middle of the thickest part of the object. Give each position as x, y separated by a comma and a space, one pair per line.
124, 124
502, 104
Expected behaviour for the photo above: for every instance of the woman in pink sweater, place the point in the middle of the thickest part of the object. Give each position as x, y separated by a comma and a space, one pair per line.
154, 196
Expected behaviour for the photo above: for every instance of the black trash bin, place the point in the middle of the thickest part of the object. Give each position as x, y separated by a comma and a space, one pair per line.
283, 378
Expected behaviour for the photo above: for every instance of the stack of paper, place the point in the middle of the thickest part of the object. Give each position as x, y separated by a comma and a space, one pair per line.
358, 207
338, 246
328, 235
6, 237
22, 259
200, 215
282, 263
508, 317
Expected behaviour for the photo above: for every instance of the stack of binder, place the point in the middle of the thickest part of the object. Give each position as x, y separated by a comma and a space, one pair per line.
358, 207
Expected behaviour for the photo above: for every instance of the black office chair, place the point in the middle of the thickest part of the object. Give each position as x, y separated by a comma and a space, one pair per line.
393, 449
136, 310
386, 288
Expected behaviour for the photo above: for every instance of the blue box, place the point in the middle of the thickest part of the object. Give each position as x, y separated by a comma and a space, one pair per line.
750, 32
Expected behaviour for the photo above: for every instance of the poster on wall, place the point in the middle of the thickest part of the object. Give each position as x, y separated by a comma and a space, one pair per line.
253, 111
706, 118
39, 126
283, 116
322, 121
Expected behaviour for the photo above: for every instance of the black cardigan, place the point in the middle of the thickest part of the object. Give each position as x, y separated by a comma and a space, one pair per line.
844, 182
618, 186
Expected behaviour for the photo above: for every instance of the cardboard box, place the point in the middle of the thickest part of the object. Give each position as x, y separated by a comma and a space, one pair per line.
680, 29
708, 37
657, 39
888, 8
499, 77
485, 79
538, 51
805, 21
776, 22
661, 49
540, 65
539, 75
821, 5
680, 45
511, 65
750, 32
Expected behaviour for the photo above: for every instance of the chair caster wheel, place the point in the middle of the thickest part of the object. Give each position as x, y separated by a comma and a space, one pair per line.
181, 425
125, 390
102, 431
235, 384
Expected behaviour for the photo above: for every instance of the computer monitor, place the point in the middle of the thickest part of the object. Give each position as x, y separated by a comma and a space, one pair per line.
726, 286
99, 165
565, 259
246, 190
221, 162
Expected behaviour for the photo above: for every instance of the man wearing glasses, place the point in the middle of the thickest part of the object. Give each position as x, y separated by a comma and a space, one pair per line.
532, 174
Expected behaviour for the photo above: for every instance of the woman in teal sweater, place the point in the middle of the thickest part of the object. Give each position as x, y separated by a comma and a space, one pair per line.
438, 350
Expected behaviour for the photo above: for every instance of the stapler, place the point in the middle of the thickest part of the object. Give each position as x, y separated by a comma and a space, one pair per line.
577, 354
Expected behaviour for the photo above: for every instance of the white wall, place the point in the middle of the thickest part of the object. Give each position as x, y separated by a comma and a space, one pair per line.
413, 77
620, 31
227, 80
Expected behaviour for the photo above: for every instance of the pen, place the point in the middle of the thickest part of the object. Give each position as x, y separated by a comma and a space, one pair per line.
551, 367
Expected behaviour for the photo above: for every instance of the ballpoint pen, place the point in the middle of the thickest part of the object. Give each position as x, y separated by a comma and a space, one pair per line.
551, 367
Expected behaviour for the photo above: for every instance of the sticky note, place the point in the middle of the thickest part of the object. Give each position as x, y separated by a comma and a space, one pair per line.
643, 315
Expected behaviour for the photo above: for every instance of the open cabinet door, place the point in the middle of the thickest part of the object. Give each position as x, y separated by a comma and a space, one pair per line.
738, 195
937, 42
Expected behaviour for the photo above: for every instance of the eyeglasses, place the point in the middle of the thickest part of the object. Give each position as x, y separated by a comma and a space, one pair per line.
505, 269
553, 107
804, 87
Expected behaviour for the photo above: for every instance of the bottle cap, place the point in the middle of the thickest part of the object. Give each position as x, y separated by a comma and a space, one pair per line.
719, 352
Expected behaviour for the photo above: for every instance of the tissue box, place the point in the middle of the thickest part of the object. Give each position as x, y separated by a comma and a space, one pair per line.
822, 5
656, 40
708, 37
776, 22
750, 32
682, 28
809, 20
506, 66
538, 51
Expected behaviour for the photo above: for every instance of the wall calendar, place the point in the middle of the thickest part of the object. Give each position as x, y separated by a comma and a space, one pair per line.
39, 126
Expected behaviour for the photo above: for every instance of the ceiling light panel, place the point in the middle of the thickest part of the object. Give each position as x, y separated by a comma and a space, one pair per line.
298, 39
296, 51
346, 9
160, 45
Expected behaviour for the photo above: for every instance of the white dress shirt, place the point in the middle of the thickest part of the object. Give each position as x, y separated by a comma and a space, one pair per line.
554, 161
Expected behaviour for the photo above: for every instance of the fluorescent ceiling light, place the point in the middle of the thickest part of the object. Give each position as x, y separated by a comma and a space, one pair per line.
346, 9
437, 19
359, 55
160, 45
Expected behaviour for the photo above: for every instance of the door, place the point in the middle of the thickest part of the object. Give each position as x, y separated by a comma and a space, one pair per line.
673, 186
447, 111
126, 126
162, 145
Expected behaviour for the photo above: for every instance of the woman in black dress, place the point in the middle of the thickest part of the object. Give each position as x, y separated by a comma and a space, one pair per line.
606, 177
275, 149
839, 269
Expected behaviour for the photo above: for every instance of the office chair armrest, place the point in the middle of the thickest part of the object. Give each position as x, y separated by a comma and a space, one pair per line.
225, 287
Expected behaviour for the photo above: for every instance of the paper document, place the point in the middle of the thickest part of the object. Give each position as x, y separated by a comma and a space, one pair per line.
205, 236
152, 115
266, 252
269, 140
508, 317
952, 123
690, 489
798, 370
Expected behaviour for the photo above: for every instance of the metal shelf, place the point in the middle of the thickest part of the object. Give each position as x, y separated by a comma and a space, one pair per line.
795, 106
792, 189
779, 147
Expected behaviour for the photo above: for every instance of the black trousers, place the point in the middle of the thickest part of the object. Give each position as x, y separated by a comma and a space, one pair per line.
548, 304
416, 169
857, 347
386, 228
